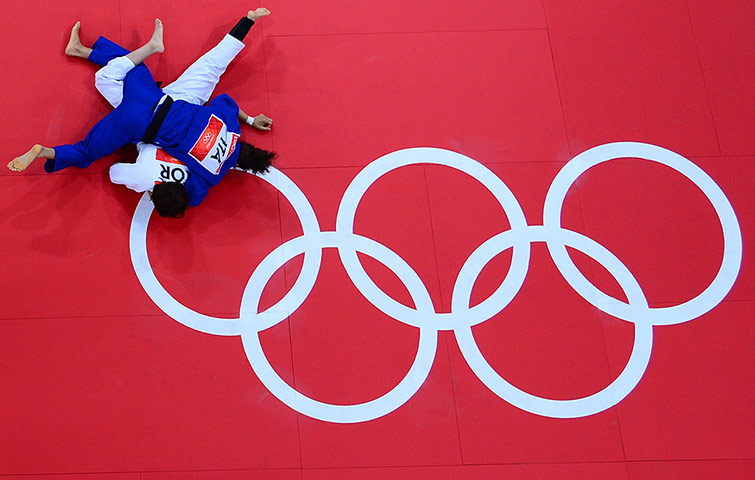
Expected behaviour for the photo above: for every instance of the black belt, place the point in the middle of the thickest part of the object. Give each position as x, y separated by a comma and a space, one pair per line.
157, 120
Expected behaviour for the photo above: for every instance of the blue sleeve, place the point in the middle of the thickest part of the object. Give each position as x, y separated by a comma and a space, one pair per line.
225, 104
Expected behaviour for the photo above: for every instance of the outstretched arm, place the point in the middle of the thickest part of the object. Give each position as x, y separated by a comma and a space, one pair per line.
260, 122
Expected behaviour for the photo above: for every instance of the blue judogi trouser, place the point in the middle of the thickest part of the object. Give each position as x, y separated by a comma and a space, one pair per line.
126, 124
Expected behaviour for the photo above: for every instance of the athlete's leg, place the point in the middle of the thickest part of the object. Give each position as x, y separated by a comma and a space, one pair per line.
154, 45
198, 81
122, 126
107, 135
110, 80
253, 15
103, 139
105, 50
100, 53
20, 163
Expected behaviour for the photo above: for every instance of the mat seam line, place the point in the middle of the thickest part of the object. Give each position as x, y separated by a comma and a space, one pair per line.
558, 85
440, 292
385, 467
406, 32
584, 223
265, 39
702, 75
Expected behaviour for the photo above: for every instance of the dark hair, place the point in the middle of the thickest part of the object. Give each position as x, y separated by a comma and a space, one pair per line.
170, 199
254, 159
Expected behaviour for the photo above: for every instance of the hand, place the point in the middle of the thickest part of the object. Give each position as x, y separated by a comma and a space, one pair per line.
261, 122
260, 12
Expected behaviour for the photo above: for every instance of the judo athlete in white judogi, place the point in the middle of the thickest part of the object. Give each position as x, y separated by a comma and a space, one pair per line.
198, 143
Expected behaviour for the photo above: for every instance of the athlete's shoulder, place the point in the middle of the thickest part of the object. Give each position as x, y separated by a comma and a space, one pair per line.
224, 101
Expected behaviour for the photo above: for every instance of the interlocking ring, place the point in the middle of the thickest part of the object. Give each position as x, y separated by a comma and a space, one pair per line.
462, 317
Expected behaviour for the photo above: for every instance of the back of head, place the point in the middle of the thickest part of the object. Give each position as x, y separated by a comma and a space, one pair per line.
170, 199
254, 159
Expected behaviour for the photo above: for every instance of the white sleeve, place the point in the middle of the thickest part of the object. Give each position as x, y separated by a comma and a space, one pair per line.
136, 176
145, 150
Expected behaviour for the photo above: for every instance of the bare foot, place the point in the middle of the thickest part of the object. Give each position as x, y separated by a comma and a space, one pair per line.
255, 14
154, 45
156, 42
74, 47
19, 164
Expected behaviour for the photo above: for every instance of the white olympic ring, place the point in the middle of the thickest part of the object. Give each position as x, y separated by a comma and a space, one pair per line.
462, 317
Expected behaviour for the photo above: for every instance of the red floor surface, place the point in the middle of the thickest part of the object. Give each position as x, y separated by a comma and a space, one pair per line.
101, 379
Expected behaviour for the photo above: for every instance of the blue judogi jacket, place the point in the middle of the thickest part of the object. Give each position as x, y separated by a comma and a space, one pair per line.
205, 139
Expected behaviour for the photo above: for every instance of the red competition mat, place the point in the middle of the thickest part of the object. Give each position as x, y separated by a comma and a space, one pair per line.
501, 240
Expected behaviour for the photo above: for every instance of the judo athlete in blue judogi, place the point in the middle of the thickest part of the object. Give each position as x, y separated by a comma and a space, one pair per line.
203, 138
154, 165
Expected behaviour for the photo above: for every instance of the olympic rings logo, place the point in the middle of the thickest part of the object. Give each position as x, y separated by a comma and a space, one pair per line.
462, 317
